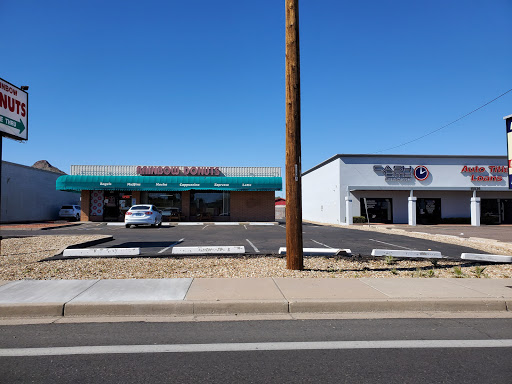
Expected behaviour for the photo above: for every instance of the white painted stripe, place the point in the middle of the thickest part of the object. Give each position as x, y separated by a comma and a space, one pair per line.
262, 224
317, 251
246, 347
101, 252
191, 223
172, 245
394, 245
484, 257
314, 241
209, 250
282, 226
227, 223
252, 245
116, 224
402, 253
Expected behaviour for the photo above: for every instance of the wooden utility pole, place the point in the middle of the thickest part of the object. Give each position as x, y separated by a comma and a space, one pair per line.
294, 254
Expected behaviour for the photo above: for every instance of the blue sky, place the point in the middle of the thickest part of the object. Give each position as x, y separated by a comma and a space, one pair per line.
203, 82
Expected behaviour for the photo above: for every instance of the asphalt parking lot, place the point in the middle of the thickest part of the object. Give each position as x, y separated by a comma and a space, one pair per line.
257, 238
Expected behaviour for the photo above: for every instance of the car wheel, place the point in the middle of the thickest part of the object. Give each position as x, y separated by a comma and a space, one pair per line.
127, 225
77, 217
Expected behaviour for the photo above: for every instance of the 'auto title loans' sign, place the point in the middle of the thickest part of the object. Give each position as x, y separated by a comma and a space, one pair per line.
13, 111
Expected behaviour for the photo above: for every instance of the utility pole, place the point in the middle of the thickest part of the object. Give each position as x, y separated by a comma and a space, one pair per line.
294, 252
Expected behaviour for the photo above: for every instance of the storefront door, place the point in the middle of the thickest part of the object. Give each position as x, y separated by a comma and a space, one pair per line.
111, 206
428, 211
496, 211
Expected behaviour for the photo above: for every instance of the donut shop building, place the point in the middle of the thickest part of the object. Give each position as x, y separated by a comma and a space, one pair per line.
183, 193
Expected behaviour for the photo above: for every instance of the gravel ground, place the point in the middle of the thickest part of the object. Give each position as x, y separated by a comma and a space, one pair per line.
20, 260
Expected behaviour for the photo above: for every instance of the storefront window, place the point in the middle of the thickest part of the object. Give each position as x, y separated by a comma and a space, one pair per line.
168, 202
209, 204
378, 210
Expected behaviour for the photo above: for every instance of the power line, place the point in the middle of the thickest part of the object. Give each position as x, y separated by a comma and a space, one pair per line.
444, 126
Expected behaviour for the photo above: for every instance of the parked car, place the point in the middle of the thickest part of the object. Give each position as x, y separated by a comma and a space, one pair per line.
143, 214
70, 212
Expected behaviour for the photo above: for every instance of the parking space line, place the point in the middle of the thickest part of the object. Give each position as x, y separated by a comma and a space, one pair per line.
394, 245
252, 245
207, 225
314, 241
282, 226
172, 245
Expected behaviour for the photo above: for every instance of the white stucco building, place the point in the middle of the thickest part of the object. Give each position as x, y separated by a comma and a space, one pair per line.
409, 189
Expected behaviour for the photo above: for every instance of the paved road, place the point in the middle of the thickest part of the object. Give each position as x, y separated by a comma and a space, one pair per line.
258, 239
327, 351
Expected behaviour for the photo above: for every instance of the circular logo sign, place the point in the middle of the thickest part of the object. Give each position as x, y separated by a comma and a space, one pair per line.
421, 173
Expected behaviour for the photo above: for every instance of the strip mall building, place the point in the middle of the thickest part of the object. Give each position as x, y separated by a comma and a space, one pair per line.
408, 189
188, 193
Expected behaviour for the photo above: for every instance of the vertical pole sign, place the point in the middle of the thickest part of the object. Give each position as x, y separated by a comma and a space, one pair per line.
13, 119
508, 122
294, 250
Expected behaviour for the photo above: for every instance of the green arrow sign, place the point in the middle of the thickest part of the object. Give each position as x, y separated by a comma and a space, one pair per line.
12, 123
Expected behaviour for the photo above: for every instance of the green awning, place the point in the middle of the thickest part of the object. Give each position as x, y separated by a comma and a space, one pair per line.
167, 183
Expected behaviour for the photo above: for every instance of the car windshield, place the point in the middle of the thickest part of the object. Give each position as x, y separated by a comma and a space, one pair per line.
140, 208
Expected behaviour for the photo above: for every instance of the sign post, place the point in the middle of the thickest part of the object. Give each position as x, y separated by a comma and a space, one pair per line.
508, 122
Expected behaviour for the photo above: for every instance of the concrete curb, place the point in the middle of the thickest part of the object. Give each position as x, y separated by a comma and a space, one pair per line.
250, 307
140, 308
31, 310
398, 305
236, 307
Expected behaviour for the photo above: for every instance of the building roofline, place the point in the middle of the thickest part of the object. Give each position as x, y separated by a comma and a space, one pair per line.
340, 155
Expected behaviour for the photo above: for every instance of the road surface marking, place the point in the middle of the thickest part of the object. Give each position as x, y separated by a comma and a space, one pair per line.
246, 347
394, 245
252, 245
172, 245
314, 241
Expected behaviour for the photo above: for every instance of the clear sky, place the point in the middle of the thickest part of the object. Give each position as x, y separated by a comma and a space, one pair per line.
203, 82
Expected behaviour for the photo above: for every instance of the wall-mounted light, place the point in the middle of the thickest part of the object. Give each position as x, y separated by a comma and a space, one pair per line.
24, 87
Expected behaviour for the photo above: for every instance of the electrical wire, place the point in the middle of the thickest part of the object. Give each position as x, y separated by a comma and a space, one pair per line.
444, 126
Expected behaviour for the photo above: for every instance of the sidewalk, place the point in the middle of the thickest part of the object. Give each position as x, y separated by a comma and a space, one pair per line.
201, 296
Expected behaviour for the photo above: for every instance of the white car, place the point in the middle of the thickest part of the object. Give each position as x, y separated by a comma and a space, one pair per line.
70, 212
143, 214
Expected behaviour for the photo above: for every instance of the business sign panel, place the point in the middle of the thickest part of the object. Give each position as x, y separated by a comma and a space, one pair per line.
13, 111
508, 120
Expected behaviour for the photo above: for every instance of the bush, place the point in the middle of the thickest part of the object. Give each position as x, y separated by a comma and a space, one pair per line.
359, 219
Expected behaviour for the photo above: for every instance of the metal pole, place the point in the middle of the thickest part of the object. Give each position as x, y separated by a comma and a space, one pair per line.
294, 251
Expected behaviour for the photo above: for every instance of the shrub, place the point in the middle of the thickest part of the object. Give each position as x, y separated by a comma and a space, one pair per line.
359, 219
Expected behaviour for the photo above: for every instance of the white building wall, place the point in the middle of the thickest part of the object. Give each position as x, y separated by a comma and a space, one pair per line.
321, 200
29, 194
357, 174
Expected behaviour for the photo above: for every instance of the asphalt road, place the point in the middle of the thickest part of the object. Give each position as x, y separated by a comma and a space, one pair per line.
256, 239
277, 359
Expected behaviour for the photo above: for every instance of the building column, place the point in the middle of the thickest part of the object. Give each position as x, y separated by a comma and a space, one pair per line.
412, 210
475, 210
349, 217
85, 205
